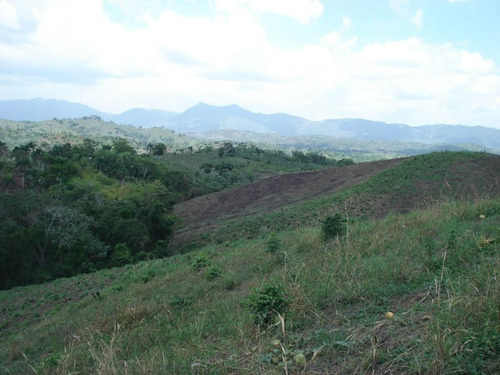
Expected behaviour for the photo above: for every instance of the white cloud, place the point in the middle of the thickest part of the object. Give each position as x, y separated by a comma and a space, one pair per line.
399, 6
8, 15
346, 23
417, 19
302, 11
175, 61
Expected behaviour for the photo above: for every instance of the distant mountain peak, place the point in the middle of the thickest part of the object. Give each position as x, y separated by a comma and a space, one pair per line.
205, 117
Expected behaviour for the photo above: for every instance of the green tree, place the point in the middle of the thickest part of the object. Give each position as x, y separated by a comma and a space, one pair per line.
121, 145
159, 148
121, 255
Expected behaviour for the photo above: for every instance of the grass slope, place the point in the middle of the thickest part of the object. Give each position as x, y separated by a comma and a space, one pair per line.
363, 190
436, 271
407, 293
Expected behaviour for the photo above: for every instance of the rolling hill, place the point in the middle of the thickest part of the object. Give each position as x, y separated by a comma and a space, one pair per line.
203, 117
408, 286
371, 189
58, 131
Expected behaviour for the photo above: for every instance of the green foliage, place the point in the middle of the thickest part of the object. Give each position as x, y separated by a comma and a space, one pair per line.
180, 301
333, 226
208, 170
337, 294
213, 272
157, 148
121, 255
121, 145
146, 277
200, 261
266, 302
69, 205
273, 243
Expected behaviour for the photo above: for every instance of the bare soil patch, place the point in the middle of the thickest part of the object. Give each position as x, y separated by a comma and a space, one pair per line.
203, 213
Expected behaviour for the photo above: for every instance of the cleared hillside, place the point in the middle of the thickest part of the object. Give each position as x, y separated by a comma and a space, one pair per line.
367, 189
202, 213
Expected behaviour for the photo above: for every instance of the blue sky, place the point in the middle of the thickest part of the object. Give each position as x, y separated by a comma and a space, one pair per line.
408, 61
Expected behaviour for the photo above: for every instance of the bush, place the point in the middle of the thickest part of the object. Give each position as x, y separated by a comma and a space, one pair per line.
266, 302
273, 243
143, 255
333, 226
213, 272
200, 261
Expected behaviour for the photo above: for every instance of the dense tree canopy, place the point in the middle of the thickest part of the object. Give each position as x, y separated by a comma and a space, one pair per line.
74, 208
65, 211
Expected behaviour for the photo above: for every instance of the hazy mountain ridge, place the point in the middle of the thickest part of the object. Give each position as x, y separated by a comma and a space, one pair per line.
203, 118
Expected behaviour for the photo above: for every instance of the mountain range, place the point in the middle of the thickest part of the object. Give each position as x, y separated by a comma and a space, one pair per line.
203, 118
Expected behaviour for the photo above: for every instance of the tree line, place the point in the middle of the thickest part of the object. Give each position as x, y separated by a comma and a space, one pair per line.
80, 207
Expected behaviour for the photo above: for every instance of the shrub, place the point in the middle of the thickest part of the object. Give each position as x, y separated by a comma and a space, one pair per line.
142, 255
266, 302
273, 243
213, 272
333, 226
200, 261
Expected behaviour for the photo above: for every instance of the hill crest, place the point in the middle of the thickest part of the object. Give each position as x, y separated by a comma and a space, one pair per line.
204, 117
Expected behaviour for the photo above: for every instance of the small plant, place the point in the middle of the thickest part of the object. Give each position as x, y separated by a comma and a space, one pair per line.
213, 272
147, 276
142, 255
200, 261
267, 302
273, 243
333, 226
180, 301
452, 240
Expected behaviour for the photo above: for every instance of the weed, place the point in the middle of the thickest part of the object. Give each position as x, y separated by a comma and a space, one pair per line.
273, 243
200, 261
213, 272
180, 301
148, 276
266, 302
333, 226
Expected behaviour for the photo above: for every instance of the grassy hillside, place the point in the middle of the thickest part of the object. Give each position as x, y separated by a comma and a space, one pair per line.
367, 190
414, 293
81, 207
409, 285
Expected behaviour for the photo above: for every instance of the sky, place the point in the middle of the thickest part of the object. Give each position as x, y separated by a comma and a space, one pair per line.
402, 61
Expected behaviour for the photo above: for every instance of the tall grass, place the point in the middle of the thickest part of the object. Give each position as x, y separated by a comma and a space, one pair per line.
435, 271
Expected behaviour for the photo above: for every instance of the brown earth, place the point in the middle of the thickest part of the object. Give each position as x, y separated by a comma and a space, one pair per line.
463, 180
203, 213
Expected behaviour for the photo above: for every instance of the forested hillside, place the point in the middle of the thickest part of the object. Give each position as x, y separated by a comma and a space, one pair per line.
75, 130
73, 208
